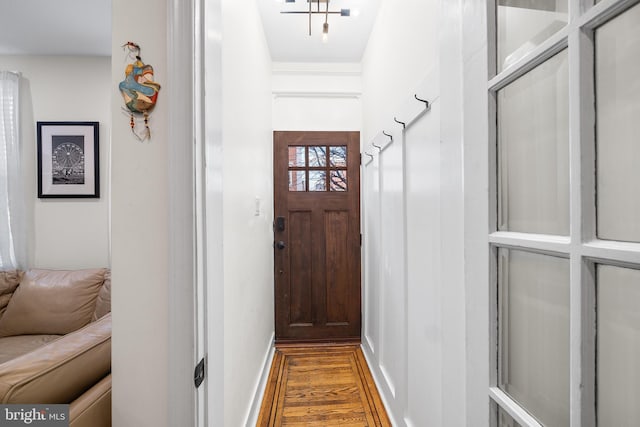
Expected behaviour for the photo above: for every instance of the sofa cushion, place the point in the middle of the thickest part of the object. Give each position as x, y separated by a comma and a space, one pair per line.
9, 281
52, 302
61, 370
103, 303
12, 347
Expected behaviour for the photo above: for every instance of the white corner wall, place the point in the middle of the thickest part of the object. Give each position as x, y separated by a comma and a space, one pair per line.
247, 207
65, 233
425, 200
140, 230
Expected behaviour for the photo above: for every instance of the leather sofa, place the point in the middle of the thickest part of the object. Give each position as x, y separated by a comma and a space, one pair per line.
55, 341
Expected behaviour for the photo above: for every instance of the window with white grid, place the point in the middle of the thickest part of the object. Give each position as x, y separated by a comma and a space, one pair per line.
564, 87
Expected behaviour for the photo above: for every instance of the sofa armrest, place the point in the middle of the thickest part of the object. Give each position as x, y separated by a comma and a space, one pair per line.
60, 371
93, 408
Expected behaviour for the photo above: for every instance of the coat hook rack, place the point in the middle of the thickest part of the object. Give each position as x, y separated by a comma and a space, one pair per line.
404, 125
422, 100
386, 134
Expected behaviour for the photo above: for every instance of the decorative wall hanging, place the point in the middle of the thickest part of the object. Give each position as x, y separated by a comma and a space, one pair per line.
68, 159
139, 91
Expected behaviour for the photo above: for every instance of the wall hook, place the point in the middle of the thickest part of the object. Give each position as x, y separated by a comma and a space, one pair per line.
422, 100
377, 146
386, 134
404, 125
370, 155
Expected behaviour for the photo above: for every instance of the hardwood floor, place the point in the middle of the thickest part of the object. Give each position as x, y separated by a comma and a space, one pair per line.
321, 385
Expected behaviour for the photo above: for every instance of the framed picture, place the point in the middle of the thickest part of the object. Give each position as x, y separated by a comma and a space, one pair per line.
68, 160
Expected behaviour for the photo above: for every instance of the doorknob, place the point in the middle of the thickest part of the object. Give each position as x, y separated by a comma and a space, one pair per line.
280, 244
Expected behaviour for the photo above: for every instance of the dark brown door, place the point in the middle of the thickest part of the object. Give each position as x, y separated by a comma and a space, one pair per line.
317, 236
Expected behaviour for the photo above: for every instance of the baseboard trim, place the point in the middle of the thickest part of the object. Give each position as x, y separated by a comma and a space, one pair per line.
383, 388
254, 410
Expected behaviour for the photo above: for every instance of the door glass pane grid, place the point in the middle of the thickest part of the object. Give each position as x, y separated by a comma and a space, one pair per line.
297, 180
614, 77
522, 25
618, 345
317, 156
318, 168
533, 150
617, 82
297, 156
533, 339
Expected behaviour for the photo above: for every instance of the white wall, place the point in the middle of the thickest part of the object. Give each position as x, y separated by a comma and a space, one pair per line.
140, 230
65, 233
402, 330
421, 346
247, 186
317, 96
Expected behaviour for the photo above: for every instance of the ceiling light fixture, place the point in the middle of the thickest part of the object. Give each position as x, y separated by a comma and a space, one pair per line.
326, 13
325, 26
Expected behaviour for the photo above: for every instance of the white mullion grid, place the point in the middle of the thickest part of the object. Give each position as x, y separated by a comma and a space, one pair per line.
583, 224
576, 308
537, 56
602, 12
516, 411
493, 198
541, 243
582, 247
620, 254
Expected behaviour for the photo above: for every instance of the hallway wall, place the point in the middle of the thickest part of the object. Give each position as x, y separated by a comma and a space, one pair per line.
415, 320
247, 206
402, 330
140, 231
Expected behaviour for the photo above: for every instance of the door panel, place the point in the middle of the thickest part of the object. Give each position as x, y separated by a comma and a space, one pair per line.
317, 242
337, 267
300, 254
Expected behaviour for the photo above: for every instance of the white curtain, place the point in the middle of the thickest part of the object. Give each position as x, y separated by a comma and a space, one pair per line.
12, 202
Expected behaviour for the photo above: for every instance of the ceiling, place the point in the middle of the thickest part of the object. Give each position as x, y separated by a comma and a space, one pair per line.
55, 27
83, 27
288, 34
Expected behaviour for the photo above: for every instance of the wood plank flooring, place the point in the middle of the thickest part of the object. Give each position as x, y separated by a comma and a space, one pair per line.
321, 385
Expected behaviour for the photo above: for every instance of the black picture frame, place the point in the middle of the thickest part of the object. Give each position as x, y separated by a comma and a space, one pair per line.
68, 160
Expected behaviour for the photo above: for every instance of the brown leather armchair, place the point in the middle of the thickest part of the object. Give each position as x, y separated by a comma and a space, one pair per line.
55, 341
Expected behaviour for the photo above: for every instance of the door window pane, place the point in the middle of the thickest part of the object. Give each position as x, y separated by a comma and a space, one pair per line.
533, 147
338, 180
297, 181
297, 157
525, 24
317, 156
618, 127
317, 181
534, 333
338, 156
618, 346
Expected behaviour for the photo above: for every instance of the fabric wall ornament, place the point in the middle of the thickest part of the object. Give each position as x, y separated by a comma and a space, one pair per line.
139, 91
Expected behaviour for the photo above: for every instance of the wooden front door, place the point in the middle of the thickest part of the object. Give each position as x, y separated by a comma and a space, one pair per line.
317, 236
